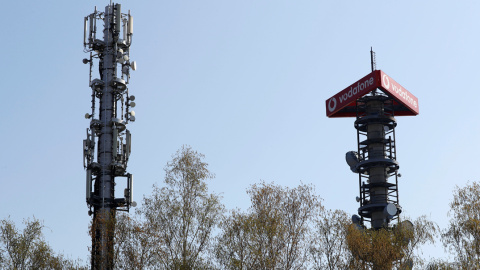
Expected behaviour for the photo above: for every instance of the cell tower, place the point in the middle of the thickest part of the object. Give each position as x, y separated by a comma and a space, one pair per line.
374, 101
106, 164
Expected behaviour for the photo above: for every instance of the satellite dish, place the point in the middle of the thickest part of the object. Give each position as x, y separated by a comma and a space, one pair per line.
132, 104
390, 209
132, 98
85, 60
133, 64
134, 204
87, 116
357, 199
125, 57
406, 225
352, 160
132, 118
356, 219
407, 228
132, 113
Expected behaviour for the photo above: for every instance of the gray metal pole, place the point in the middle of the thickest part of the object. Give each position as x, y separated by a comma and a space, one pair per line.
378, 174
108, 132
104, 214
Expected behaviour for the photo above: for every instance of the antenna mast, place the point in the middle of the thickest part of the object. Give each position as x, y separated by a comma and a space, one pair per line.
107, 148
372, 59
375, 100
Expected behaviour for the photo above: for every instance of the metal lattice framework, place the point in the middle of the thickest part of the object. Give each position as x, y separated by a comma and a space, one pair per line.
374, 100
377, 165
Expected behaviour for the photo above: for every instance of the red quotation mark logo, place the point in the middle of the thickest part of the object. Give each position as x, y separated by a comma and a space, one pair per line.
332, 104
386, 81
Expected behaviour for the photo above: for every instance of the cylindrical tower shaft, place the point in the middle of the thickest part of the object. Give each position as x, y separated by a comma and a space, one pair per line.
104, 211
378, 175
377, 161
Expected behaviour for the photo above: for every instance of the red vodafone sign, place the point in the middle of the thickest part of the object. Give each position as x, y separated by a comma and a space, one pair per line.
343, 103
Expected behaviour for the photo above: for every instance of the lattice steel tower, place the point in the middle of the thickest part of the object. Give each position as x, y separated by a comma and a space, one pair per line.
107, 148
375, 100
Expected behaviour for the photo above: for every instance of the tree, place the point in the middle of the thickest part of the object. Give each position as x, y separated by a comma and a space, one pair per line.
390, 248
329, 248
173, 229
274, 231
439, 264
232, 248
423, 231
462, 237
135, 246
28, 249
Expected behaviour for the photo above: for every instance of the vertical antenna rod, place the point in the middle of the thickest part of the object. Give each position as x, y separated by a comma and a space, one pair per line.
372, 59
106, 164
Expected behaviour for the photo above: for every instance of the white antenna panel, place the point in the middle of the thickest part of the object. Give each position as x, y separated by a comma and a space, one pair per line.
85, 31
130, 25
92, 26
124, 28
130, 187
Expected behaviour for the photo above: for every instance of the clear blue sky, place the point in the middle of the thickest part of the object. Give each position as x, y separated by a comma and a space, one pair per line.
243, 82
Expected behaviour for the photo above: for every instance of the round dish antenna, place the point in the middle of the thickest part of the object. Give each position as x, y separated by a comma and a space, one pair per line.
352, 160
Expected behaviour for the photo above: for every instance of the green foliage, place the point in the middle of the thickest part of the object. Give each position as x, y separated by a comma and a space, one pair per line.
442, 265
18, 248
28, 249
328, 247
284, 228
274, 231
424, 232
135, 245
462, 238
173, 229
394, 248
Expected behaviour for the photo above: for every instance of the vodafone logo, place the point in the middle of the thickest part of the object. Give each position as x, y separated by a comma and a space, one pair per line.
386, 81
332, 104
341, 104
398, 91
351, 93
